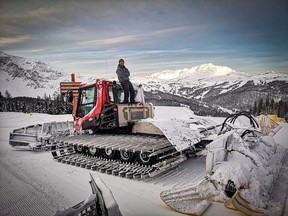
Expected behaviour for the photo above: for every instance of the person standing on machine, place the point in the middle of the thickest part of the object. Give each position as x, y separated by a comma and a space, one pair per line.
123, 76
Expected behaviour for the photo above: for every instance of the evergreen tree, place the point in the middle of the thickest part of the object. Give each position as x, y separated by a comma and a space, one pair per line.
260, 106
272, 105
280, 112
13, 106
285, 109
39, 105
267, 105
23, 107
45, 97
254, 110
8, 95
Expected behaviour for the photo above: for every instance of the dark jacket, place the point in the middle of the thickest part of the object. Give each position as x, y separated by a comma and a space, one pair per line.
122, 73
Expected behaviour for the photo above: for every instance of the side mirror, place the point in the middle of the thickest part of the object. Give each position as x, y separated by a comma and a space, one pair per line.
70, 96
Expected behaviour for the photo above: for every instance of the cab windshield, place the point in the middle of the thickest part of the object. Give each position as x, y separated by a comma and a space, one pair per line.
86, 101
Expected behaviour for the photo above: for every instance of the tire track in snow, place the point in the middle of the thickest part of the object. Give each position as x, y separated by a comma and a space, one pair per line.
27, 202
185, 174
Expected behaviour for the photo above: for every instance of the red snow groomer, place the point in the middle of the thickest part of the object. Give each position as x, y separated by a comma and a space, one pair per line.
116, 127
125, 139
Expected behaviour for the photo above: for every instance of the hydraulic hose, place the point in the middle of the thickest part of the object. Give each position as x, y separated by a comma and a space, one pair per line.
232, 118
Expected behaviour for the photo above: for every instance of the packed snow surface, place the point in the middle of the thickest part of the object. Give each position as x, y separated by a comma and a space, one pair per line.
32, 183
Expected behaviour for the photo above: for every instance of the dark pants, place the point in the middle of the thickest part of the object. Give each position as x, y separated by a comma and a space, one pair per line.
128, 88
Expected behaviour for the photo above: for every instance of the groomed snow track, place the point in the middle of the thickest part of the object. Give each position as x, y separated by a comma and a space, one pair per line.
66, 150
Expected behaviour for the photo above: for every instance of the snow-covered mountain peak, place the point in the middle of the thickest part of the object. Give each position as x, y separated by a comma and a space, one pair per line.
200, 71
31, 77
28, 77
214, 70
170, 74
2, 54
25, 63
269, 72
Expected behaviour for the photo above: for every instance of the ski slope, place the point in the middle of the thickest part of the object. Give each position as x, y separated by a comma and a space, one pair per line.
32, 183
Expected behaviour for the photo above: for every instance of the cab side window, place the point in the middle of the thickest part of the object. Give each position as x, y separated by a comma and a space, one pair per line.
116, 94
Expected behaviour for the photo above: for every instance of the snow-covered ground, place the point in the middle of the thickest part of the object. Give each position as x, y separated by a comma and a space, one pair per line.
32, 183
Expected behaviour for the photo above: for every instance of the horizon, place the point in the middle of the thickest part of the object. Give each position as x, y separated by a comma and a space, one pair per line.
156, 74
151, 36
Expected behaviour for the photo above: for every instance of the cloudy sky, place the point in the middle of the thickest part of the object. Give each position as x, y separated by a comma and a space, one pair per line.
89, 37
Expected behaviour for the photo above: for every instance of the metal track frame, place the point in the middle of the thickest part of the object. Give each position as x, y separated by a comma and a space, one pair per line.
63, 150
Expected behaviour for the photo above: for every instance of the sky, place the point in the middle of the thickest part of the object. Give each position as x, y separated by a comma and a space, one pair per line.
90, 36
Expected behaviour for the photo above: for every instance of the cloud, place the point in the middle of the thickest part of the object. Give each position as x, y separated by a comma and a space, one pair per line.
42, 12
33, 13
130, 39
150, 35
27, 52
113, 41
4, 41
32, 17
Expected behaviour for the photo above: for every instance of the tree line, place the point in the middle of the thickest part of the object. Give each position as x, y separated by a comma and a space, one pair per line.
270, 106
60, 105
55, 106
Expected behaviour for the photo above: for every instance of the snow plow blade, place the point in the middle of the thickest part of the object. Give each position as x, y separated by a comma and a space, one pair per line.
237, 202
100, 203
39, 135
187, 200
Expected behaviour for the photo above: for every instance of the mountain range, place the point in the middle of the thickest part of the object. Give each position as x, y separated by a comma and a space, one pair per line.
207, 89
217, 87
30, 77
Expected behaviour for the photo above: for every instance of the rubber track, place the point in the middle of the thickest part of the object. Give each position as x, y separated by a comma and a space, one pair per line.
117, 168
63, 151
